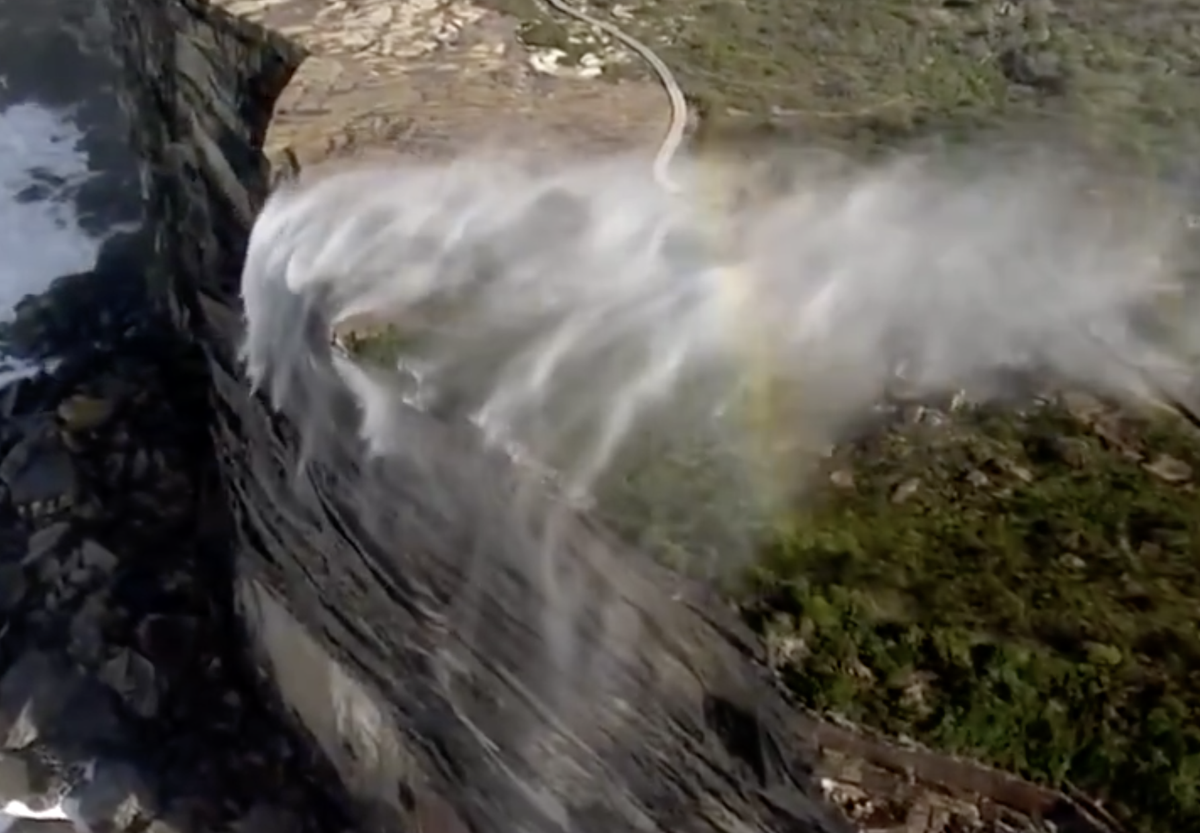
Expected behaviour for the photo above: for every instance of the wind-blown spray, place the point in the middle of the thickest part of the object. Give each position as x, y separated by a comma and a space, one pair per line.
573, 313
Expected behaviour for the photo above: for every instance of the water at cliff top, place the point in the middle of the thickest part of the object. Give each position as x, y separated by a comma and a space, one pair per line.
41, 163
560, 309
685, 350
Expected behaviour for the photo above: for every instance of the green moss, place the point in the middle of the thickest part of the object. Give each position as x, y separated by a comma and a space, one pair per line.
1014, 586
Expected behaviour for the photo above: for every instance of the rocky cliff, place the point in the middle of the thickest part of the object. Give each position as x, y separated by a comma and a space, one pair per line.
117, 620
201, 86
430, 729
202, 83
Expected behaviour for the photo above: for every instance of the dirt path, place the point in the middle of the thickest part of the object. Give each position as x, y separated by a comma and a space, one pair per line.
434, 76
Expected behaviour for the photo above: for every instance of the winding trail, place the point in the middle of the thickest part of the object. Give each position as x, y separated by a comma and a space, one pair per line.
673, 138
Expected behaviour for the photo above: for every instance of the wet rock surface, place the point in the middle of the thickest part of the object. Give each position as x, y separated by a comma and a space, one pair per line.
96, 307
118, 654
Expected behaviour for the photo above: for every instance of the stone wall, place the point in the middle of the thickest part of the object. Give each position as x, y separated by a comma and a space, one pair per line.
200, 88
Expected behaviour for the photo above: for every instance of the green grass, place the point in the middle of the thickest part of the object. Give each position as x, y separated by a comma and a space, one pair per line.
1115, 74
1033, 602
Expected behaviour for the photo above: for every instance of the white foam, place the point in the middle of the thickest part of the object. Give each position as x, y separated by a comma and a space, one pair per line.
40, 240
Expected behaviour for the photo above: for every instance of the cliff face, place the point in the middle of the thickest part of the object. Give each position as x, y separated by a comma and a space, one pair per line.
200, 87
431, 727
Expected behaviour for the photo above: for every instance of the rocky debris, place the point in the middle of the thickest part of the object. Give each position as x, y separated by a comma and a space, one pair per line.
922, 811
553, 60
45, 542
888, 787
99, 307
1169, 469
906, 490
842, 479
38, 474
117, 792
44, 700
133, 677
115, 631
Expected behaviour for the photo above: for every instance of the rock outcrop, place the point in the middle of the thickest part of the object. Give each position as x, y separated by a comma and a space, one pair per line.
116, 617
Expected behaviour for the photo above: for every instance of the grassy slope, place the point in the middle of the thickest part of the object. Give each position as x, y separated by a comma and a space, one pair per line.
1035, 600
1017, 586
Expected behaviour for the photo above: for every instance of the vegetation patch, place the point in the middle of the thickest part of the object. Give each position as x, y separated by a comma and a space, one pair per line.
1118, 75
1021, 586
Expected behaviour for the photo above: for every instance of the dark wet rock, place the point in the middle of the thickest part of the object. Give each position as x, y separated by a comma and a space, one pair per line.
96, 558
11, 398
39, 474
43, 698
46, 542
113, 198
167, 826
264, 818
120, 636
1041, 69
97, 307
124, 583
85, 413
141, 464
52, 62
34, 776
123, 254
86, 634
96, 791
119, 793
42, 826
13, 587
167, 641
13, 542
132, 677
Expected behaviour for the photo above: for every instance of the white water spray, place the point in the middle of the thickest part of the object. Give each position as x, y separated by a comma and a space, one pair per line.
558, 307
40, 151
571, 312
582, 318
